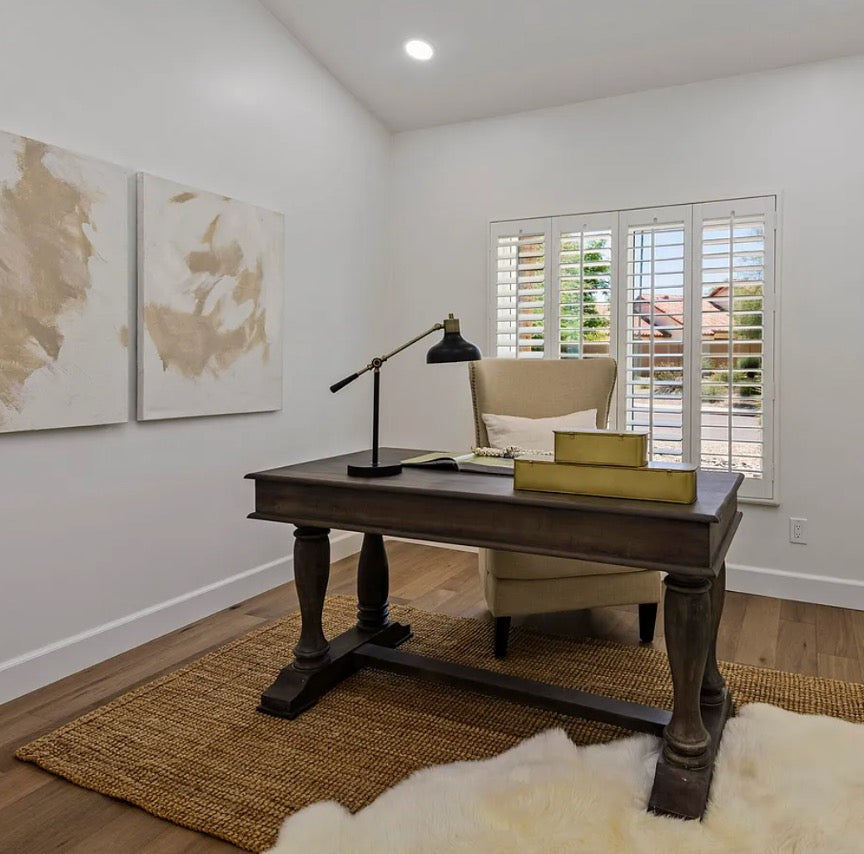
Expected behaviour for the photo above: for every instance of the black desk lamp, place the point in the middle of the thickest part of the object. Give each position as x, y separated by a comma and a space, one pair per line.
451, 348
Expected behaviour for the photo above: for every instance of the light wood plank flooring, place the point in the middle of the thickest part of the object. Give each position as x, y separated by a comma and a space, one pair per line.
40, 813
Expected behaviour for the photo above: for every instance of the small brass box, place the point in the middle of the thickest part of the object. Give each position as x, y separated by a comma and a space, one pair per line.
601, 448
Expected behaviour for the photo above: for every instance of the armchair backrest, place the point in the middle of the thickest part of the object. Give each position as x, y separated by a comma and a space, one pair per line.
540, 388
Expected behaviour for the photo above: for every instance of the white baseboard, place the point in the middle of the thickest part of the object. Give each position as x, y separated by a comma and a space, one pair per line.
40, 667
798, 586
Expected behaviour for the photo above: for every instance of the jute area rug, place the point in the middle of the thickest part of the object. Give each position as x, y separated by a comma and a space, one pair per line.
190, 747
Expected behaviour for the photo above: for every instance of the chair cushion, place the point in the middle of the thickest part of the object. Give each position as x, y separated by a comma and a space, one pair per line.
519, 565
511, 597
534, 434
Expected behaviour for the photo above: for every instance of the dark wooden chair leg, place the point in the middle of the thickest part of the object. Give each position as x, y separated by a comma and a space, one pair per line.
502, 635
647, 621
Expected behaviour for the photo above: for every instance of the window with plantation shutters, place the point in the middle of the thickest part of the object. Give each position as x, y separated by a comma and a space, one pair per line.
682, 297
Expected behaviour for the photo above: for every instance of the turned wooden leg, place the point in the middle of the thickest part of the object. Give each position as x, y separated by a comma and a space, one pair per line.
688, 624
319, 666
701, 705
502, 636
373, 584
647, 621
311, 574
713, 687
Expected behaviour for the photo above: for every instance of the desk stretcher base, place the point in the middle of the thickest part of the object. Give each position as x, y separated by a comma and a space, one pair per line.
676, 791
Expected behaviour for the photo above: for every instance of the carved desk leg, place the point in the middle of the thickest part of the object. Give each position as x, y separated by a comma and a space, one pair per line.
373, 584
318, 665
311, 575
373, 588
713, 687
296, 688
715, 698
684, 768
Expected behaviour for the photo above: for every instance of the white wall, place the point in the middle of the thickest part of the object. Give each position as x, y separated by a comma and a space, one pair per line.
99, 524
798, 131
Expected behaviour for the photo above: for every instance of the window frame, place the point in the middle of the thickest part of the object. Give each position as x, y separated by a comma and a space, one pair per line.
764, 490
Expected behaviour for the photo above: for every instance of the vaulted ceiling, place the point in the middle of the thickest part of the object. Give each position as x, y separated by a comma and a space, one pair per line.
501, 56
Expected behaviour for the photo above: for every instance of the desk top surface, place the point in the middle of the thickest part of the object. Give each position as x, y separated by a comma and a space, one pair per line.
714, 489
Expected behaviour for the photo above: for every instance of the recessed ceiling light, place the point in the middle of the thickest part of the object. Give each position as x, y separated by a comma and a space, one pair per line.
418, 49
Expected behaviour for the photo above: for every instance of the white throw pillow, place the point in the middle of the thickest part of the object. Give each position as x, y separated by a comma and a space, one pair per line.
534, 434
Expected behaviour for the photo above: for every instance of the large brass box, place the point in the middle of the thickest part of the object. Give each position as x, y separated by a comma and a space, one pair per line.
671, 482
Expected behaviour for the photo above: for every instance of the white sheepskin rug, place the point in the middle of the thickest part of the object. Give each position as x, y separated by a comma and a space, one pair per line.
783, 783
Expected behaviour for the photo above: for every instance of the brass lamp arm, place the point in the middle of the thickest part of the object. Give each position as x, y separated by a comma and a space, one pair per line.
376, 363
404, 346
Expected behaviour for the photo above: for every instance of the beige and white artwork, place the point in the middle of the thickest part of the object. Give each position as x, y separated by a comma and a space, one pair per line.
210, 280
64, 288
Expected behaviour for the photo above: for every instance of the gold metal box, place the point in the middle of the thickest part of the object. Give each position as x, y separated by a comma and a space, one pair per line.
601, 448
654, 482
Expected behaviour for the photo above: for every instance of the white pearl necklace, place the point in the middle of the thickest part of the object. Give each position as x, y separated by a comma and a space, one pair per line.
510, 452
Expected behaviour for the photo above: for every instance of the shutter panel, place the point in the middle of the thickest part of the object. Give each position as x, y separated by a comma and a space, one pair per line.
585, 276
520, 270
735, 322
656, 329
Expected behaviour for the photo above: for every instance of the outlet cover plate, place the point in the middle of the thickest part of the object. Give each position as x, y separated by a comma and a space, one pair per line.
797, 531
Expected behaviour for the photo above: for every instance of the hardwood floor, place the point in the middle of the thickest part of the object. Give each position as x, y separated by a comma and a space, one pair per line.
41, 813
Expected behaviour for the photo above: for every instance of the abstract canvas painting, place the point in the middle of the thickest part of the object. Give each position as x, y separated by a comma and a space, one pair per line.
210, 280
64, 288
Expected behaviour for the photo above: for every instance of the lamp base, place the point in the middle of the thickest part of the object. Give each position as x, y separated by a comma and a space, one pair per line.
375, 471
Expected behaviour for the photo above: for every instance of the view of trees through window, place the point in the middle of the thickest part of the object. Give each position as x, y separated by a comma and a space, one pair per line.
585, 294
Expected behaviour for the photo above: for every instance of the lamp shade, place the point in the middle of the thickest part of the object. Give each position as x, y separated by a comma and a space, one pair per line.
452, 347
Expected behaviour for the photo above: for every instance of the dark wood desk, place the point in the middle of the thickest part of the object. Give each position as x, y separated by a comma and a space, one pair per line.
687, 541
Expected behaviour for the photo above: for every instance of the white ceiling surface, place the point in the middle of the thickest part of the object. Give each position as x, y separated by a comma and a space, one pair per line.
502, 56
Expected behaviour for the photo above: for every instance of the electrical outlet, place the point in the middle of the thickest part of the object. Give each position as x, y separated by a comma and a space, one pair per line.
797, 530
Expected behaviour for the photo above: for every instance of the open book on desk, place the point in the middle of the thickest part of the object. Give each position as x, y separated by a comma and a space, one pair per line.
462, 462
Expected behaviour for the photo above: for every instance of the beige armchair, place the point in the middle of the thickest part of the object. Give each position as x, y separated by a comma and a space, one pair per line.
515, 583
